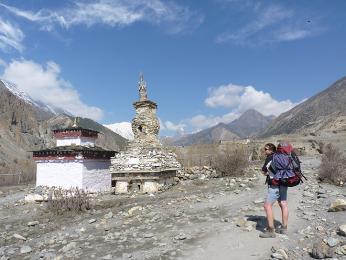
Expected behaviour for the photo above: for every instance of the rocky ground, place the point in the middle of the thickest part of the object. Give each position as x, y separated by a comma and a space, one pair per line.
197, 219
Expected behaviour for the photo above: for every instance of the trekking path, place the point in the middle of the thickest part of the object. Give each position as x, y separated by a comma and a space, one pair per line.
240, 239
309, 222
196, 219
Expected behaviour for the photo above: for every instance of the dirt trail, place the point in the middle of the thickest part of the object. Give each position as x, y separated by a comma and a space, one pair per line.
231, 242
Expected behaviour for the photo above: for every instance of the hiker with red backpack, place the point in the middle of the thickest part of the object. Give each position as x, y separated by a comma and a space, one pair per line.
282, 168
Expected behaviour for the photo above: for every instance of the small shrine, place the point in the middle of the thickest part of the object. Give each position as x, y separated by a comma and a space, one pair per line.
145, 166
75, 161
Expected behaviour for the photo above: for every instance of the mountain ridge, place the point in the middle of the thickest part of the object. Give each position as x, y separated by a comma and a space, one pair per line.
325, 110
250, 123
210, 135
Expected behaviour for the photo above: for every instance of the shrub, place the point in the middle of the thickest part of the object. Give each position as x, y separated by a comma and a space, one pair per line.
71, 200
333, 165
231, 162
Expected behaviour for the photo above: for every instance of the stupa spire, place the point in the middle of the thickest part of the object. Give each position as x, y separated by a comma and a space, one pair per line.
142, 88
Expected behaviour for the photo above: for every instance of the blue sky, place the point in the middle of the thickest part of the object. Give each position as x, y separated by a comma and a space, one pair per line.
204, 61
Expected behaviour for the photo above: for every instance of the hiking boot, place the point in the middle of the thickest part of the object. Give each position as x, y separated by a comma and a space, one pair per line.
282, 230
269, 233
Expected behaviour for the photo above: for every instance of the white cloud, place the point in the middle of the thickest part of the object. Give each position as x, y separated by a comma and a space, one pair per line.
240, 99
2, 63
273, 23
226, 95
170, 126
46, 85
291, 33
115, 13
200, 122
237, 99
10, 36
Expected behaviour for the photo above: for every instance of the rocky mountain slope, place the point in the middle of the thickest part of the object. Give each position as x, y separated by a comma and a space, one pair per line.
250, 123
26, 125
20, 131
326, 111
208, 136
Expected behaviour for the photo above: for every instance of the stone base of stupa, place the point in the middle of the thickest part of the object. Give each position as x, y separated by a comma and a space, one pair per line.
143, 169
143, 182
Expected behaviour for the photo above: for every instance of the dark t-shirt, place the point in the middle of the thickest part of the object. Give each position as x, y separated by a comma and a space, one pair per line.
268, 159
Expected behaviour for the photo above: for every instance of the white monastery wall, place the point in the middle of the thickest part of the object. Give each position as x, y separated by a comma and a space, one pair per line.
89, 175
96, 175
64, 174
84, 141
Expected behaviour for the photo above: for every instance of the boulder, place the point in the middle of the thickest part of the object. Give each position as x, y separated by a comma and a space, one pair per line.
342, 230
320, 250
338, 205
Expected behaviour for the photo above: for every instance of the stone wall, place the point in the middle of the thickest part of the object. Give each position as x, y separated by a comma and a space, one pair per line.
144, 159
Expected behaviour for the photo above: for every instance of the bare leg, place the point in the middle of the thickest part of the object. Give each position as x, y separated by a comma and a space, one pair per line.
268, 207
284, 211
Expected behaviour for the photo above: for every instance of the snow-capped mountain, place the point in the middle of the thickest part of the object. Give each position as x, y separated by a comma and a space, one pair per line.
27, 99
18, 93
124, 129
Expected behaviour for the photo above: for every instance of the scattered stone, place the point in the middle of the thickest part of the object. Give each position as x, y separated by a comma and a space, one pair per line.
320, 250
278, 256
181, 236
11, 251
30, 198
341, 250
338, 205
259, 201
33, 223
148, 235
92, 221
69, 247
25, 249
282, 252
342, 230
308, 194
108, 215
82, 229
134, 209
241, 222
8, 227
19, 237
331, 241
319, 228
248, 228
107, 257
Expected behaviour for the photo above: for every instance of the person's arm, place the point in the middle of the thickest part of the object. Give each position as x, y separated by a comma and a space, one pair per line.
264, 167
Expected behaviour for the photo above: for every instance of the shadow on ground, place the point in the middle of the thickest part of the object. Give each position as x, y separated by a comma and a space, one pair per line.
261, 222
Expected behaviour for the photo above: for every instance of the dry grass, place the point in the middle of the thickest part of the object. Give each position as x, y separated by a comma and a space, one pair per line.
228, 160
17, 172
231, 162
72, 200
333, 165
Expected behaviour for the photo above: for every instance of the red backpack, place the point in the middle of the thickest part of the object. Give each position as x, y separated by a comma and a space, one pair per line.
286, 149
